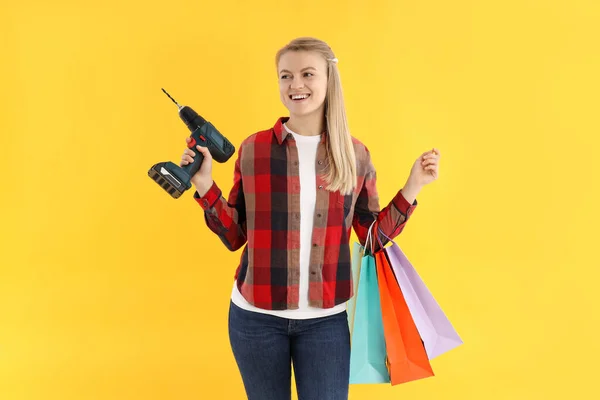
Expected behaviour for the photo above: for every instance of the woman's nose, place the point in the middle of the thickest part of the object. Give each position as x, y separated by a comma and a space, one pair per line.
297, 83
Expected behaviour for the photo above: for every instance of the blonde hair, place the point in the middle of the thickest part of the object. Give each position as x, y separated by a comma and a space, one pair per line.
341, 165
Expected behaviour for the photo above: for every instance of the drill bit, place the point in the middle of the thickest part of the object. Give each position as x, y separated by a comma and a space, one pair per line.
178, 106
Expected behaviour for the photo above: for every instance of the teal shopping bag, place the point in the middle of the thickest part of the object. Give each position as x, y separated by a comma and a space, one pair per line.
368, 352
357, 254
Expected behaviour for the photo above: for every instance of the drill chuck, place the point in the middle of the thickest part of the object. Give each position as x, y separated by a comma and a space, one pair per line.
191, 118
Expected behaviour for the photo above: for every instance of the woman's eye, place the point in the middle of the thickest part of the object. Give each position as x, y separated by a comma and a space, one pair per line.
307, 74
284, 76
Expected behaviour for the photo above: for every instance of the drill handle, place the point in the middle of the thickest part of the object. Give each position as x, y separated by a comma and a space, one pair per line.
197, 139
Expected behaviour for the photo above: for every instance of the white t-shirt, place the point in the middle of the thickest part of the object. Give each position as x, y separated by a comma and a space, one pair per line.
307, 153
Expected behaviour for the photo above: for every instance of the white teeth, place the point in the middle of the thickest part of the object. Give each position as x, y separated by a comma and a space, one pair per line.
299, 96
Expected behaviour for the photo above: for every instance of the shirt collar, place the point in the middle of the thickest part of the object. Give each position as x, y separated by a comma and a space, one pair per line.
281, 133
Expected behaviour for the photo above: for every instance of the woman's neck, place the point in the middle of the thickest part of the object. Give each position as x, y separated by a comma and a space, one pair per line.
307, 125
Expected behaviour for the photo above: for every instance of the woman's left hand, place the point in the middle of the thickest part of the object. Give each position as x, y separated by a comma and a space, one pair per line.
426, 168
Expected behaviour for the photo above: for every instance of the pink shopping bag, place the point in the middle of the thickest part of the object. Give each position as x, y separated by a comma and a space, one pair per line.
437, 333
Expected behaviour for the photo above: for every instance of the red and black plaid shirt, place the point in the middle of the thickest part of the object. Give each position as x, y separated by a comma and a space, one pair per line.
263, 212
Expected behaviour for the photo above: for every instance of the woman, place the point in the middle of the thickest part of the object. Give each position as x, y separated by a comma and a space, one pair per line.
299, 188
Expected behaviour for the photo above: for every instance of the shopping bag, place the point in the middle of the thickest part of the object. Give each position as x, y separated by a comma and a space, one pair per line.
407, 358
357, 254
368, 351
435, 329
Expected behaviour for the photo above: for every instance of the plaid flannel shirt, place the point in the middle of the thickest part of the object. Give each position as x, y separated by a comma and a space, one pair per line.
262, 212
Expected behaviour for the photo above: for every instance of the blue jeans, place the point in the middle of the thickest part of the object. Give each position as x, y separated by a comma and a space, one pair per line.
265, 347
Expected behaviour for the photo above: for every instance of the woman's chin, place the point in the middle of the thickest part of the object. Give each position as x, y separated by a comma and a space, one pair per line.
301, 110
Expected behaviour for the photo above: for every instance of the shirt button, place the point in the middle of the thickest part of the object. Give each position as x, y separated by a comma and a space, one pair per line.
319, 215
313, 272
320, 186
295, 162
320, 162
205, 202
314, 245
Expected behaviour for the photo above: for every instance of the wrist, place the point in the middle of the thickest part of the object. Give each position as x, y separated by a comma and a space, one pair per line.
410, 190
203, 187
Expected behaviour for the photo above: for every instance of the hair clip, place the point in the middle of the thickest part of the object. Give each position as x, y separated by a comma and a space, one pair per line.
333, 60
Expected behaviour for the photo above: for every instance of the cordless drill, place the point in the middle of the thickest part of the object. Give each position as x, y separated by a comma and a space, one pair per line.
174, 179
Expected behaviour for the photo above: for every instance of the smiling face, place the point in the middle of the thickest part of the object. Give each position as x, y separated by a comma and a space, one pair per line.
303, 82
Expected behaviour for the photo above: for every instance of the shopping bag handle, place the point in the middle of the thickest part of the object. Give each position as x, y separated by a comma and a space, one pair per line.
386, 236
369, 240
369, 237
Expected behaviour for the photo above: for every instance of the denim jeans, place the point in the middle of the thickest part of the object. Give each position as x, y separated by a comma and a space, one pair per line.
265, 347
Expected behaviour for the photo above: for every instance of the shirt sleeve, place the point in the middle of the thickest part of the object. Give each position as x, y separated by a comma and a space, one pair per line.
226, 218
391, 220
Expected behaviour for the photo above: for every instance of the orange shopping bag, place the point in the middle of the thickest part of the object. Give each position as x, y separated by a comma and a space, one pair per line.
407, 358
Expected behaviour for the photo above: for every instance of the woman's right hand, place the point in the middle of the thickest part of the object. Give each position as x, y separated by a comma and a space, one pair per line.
203, 178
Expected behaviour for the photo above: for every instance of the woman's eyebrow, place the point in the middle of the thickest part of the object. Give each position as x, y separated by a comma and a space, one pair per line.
303, 69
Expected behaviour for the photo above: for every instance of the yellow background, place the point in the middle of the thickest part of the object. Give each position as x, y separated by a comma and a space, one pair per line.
110, 289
